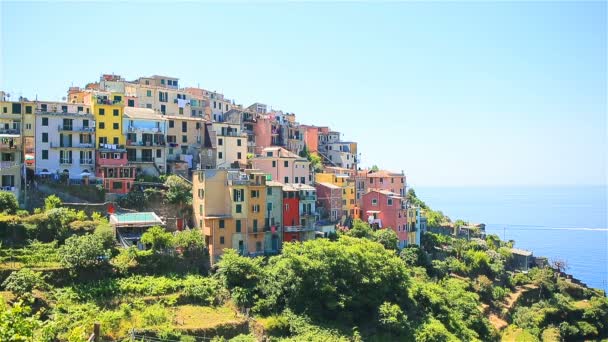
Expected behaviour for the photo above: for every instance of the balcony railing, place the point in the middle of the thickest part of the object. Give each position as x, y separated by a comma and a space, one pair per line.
145, 143
10, 131
295, 229
103, 101
76, 129
77, 145
144, 129
8, 164
86, 161
141, 160
8, 146
308, 198
65, 161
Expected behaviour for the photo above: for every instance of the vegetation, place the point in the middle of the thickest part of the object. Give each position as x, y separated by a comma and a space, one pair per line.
355, 287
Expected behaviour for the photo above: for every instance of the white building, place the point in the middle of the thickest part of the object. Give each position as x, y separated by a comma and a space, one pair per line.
65, 140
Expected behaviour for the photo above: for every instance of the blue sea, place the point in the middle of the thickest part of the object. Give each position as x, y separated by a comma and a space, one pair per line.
559, 222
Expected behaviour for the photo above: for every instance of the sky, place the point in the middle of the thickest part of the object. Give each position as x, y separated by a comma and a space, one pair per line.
453, 93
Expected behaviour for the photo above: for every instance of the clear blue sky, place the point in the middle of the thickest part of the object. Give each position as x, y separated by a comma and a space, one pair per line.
488, 93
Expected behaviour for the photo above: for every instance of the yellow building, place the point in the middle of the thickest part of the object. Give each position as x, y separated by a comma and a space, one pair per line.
348, 191
108, 111
229, 208
412, 224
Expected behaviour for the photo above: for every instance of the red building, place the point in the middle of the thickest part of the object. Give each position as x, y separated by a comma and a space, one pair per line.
114, 170
386, 209
292, 230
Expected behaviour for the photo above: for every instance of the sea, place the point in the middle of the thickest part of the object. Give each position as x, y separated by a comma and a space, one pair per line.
568, 223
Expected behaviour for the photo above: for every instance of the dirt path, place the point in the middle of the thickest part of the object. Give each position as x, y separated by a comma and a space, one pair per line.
497, 321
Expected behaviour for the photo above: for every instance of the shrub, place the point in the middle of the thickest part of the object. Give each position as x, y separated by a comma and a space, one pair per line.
52, 202
392, 318
387, 238
82, 252
8, 203
200, 290
24, 281
158, 238
154, 315
434, 331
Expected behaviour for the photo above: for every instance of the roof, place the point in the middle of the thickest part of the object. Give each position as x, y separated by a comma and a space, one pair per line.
520, 252
146, 219
273, 183
301, 186
385, 192
288, 187
328, 185
384, 173
283, 153
142, 113
10, 135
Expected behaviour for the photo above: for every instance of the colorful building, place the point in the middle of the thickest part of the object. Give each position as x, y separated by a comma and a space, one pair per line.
385, 209
292, 230
349, 205
256, 218
330, 201
145, 132
283, 166
309, 215
108, 111
386, 180
114, 170
273, 219
66, 140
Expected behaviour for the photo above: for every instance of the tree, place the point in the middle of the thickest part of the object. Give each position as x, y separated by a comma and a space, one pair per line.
18, 324
84, 252
349, 278
52, 202
304, 152
158, 238
23, 281
459, 246
387, 238
360, 229
560, 265
8, 203
191, 241
434, 331
179, 191
241, 275
392, 318
374, 168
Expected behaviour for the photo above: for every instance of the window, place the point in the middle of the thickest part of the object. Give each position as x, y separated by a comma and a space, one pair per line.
184, 138
255, 208
149, 93
302, 180
374, 202
28, 109
238, 155
255, 225
45, 137
221, 240
286, 179
184, 126
115, 141
116, 185
131, 103
274, 163
238, 142
115, 112
255, 193
220, 141
16, 108
269, 191
239, 208
162, 82
163, 109
45, 121
102, 125
269, 206
115, 125
171, 124
42, 108
85, 123
238, 195
286, 163
45, 154
238, 226
220, 155
389, 202
158, 153
181, 110
392, 180
222, 224
102, 111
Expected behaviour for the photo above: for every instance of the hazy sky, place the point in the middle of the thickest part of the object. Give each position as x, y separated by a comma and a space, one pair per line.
481, 93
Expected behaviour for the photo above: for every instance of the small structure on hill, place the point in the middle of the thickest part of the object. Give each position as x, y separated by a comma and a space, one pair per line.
128, 227
522, 259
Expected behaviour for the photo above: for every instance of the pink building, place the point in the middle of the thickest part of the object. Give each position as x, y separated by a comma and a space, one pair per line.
263, 131
311, 136
114, 170
386, 209
329, 197
386, 180
283, 165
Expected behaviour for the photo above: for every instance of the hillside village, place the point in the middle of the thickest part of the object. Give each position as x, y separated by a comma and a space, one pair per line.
260, 178
145, 211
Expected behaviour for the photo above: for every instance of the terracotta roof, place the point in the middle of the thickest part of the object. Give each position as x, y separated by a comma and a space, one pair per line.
384, 173
142, 113
301, 186
328, 185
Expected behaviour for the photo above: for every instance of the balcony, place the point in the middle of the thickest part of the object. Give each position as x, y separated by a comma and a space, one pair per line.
145, 143
65, 161
86, 161
10, 144
9, 164
76, 129
10, 130
308, 198
238, 182
104, 101
78, 145
133, 129
295, 229
141, 160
